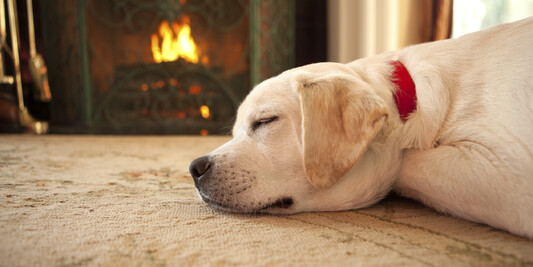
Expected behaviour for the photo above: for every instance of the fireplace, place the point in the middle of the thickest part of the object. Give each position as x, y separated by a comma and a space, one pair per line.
160, 67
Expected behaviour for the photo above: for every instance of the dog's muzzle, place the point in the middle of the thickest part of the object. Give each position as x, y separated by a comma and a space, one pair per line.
222, 192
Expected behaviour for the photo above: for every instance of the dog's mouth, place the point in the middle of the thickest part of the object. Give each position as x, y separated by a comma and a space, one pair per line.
282, 203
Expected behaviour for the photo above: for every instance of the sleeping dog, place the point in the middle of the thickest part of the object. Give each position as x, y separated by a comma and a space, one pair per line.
449, 123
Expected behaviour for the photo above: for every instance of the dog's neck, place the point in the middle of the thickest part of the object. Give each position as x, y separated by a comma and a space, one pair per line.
405, 94
422, 128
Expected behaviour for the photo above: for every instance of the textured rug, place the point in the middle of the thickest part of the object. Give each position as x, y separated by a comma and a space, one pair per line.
130, 201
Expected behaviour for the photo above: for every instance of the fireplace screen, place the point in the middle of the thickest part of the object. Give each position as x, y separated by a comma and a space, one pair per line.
160, 67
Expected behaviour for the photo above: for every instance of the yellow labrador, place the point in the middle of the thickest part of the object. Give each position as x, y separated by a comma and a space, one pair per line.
449, 123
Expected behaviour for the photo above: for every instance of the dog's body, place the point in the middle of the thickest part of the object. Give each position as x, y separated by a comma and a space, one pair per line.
329, 136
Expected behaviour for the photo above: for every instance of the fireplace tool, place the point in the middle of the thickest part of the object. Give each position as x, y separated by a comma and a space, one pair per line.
25, 118
38, 71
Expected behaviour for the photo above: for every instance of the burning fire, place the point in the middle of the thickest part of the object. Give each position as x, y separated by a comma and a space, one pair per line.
176, 42
171, 42
204, 110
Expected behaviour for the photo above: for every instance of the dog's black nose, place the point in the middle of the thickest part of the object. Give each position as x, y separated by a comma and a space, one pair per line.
199, 166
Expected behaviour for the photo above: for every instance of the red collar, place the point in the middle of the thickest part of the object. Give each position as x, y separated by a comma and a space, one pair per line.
405, 94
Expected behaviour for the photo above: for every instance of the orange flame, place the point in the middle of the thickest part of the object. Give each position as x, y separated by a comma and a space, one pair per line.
204, 110
176, 42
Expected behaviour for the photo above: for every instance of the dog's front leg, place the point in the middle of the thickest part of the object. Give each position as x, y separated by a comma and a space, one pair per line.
465, 180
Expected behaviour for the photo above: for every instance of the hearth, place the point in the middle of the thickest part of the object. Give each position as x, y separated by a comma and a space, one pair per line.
160, 67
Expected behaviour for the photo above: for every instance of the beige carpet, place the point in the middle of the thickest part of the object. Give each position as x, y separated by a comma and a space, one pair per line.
129, 201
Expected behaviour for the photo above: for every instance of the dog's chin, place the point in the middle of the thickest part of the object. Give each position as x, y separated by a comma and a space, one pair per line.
282, 205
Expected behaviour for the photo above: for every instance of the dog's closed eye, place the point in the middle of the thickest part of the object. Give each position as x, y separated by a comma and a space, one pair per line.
264, 121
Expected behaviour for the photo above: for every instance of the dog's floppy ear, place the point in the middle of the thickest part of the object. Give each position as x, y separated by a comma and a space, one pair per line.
340, 117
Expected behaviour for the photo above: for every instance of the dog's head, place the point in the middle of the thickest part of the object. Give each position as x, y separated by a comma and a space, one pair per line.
301, 142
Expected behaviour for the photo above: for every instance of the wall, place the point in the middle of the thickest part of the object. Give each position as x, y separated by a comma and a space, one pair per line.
367, 27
